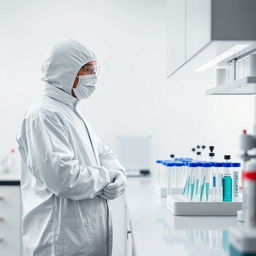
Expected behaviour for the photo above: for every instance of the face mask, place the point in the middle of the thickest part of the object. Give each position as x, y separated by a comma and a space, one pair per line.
85, 86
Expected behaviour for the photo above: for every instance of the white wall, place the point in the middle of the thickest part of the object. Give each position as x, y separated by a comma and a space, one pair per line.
133, 95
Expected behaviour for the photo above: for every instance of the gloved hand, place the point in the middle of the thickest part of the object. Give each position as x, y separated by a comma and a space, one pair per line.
117, 186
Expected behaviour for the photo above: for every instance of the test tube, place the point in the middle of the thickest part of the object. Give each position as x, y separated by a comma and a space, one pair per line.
185, 179
207, 179
178, 171
197, 177
227, 182
235, 181
216, 182
170, 176
192, 166
158, 171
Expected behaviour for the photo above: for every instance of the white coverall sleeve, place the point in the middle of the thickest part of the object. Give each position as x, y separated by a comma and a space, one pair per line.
51, 158
108, 159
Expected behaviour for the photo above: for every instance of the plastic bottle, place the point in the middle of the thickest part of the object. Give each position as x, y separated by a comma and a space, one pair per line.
8, 163
227, 182
250, 180
236, 169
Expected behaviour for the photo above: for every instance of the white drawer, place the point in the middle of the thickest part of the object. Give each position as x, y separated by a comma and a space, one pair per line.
9, 217
10, 196
10, 239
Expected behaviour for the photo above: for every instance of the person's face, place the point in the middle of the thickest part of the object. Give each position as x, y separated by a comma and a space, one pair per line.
87, 69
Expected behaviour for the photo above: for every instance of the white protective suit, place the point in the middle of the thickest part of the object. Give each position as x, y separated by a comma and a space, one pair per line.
65, 167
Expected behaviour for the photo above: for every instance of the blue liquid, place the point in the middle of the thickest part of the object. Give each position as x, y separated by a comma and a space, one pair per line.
227, 189
202, 190
188, 186
197, 183
191, 191
214, 181
185, 188
207, 187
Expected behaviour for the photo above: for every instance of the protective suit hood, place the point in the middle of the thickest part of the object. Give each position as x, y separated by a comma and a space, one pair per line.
63, 63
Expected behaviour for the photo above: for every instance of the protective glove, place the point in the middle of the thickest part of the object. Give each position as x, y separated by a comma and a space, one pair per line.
116, 188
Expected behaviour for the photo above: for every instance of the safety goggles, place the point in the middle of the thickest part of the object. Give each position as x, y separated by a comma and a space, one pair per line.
91, 69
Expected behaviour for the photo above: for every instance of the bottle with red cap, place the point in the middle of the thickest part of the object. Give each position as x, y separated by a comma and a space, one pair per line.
9, 163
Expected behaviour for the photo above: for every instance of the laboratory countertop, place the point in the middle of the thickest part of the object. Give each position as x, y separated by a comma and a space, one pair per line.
157, 232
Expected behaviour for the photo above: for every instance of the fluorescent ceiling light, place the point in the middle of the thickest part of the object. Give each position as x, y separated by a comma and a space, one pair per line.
223, 56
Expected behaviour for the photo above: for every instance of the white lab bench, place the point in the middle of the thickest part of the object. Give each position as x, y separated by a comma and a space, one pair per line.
157, 232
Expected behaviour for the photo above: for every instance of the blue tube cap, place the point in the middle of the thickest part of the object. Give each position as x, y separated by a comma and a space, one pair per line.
207, 164
159, 161
193, 164
170, 164
217, 164
178, 164
227, 164
236, 164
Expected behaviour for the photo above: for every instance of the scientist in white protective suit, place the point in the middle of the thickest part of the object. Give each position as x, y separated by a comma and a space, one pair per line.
68, 174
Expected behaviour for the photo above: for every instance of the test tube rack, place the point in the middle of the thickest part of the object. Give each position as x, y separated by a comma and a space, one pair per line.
180, 206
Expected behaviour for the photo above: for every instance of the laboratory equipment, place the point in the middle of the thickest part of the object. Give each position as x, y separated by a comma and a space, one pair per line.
175, 173
161, 185
205, 182
202, 192
8, 163
158, 166
227, 182
236, 167
191, 180
246, 234
250, 179
221, 76
217, 184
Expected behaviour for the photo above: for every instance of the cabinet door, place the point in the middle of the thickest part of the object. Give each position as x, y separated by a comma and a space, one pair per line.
176, 23
198, 25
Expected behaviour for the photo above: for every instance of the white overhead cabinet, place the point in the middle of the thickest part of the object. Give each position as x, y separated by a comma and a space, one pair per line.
198, 24
200, 30
176, 24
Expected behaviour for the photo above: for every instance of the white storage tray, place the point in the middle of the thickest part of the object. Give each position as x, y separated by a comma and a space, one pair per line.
178, 206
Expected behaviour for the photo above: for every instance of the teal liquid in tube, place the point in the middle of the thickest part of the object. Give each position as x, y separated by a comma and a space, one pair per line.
197, 184
227, 181
207, 188
227, 188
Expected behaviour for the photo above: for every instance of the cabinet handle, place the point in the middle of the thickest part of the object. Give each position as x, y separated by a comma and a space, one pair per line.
1, 218
1, 198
